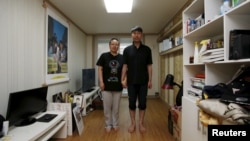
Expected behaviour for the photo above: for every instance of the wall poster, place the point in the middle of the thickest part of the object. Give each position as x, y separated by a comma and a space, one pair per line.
56, 49
78, 118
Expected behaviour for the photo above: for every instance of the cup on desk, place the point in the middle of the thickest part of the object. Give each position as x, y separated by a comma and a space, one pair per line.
5, 127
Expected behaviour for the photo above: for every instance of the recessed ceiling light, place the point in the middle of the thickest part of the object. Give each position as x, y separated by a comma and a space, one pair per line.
118, 6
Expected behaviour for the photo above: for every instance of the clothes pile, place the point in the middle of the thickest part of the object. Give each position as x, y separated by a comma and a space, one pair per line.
230, 102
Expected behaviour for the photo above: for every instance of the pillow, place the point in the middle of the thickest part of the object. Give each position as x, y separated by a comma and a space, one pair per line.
214, 107
207, 119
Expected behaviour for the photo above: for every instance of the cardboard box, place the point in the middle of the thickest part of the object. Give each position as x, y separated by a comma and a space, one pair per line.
176, 133
167, 44
161, 48
170, 123
176, 117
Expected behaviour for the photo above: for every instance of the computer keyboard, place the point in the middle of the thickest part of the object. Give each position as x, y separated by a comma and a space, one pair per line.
90, 90
46, 117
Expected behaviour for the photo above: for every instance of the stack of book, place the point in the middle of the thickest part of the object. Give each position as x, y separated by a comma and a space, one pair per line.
212, 55
196, 86
195, 92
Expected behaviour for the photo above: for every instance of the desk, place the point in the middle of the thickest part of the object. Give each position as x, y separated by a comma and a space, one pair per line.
39, 131
88, 98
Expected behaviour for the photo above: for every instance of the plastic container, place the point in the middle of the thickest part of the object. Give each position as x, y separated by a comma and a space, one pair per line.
237, 2
196, 53
225, 7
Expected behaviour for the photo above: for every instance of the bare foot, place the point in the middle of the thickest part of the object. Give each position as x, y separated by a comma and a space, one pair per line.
116, 128
108, 129
142, 128
131, 128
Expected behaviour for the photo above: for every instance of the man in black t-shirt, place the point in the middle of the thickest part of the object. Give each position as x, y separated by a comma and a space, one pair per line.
138, 69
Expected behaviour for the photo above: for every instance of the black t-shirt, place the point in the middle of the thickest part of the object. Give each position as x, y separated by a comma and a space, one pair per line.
137, 61
112, 68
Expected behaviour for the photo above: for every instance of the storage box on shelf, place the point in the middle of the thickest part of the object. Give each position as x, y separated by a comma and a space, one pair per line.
172, 42
171, 57
215, 26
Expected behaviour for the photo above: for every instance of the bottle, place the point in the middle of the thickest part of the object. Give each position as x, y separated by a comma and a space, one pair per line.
236, 2
188, 25
193, 25
204, 44
225, 7
196, 53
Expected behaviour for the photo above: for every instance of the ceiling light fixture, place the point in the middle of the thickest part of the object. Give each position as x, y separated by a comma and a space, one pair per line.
118, 6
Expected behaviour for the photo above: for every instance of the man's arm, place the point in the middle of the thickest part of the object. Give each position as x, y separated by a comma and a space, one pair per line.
150, 72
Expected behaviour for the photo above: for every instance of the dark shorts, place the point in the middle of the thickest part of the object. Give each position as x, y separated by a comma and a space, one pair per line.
137, 92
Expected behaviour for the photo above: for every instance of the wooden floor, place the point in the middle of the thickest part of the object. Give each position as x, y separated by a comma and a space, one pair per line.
155, 122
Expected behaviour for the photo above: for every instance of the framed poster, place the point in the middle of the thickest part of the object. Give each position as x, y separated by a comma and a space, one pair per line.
78, 118
56, 49
78, 100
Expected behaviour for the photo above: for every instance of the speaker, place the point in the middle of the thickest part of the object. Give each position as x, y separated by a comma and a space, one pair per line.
2, 119
239, 44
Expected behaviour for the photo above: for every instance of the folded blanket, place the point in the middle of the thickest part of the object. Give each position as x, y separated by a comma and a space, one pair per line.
217, 112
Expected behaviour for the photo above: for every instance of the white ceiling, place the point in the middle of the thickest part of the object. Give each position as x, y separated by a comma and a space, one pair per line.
91, 16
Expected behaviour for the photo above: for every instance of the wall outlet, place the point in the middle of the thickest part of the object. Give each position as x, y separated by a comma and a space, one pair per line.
156, 93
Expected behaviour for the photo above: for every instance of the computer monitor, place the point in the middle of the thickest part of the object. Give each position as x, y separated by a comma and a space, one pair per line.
23, 105
88, 79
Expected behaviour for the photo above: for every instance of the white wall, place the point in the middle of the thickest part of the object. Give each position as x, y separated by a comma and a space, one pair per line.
150, 40
22, 55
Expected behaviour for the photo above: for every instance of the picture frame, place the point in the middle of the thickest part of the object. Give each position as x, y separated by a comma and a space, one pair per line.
58, 98
78, 119
56, 48
78, 99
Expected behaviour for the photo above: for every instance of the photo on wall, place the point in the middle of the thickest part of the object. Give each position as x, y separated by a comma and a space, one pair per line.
56, 49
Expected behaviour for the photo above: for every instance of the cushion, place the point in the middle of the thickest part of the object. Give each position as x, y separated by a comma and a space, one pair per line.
214, 107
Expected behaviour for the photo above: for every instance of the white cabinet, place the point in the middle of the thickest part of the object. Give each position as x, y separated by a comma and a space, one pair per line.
39, 131
192, 129
88, 98
216, 26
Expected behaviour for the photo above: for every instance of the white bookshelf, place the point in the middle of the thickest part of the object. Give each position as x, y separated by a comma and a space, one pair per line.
217, 72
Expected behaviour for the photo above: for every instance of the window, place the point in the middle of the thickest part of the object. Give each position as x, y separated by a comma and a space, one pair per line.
103, 45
